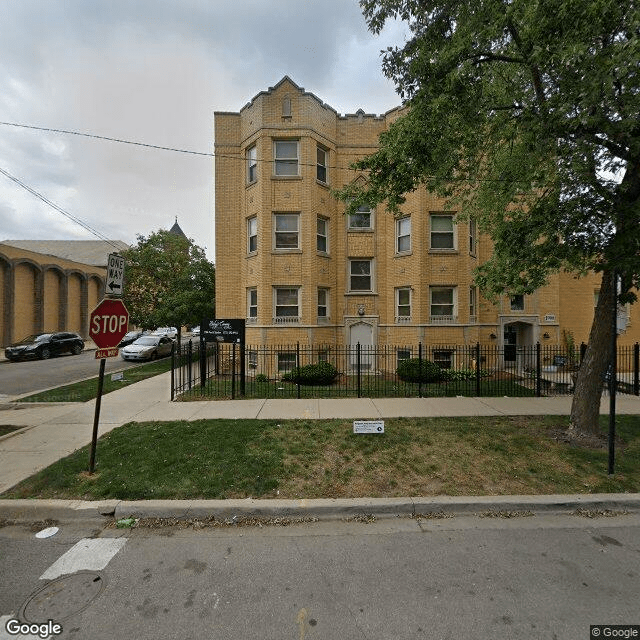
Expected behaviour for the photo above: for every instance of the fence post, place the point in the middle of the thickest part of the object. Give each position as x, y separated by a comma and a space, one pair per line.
636, 369
298, 369
203, 361
477, 369
419, 369
538, 371
190, 356
173, 367
358, 369
243, 372
233, 371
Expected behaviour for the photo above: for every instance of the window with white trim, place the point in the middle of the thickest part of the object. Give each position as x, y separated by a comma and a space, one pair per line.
323, 304
252, 305
403, 354
360, 275
322, 162
443, 305
403, 235
443, 358
322, 235
252, 164
286, 230
286, 304
252, 359
403, 304
442, 236
252, 234
361, 219
473, 304
286, 360
285, 157
473, 236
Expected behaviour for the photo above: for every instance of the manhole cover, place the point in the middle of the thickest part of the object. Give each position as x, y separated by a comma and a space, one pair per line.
63, 597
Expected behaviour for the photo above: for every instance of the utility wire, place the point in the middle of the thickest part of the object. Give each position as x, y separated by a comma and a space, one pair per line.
53, 205
210, 154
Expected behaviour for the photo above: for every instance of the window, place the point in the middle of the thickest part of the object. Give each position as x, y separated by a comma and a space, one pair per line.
360, 275
473, 233
286, 230
285, 153
403, 235
286, 360
323, 303
362, 219
322, 160
322, 235
252, 164
286, 304
442, 236
252, 235
517, 302
403, 304
252, 305
443, 305
473, 304
252, 359
443, 358
403, 354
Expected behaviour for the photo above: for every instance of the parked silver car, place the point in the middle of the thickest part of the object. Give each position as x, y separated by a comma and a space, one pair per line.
148, 348
169, 332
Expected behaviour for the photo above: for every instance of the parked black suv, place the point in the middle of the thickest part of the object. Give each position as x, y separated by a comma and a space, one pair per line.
45, 345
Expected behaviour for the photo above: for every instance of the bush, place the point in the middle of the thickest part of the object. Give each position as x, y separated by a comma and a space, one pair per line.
410, 371
319, 373
261, 378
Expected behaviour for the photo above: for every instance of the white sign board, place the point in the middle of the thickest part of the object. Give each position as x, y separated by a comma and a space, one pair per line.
368, 426
115, 275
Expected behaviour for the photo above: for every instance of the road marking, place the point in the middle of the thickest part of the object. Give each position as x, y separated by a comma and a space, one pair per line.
89, 554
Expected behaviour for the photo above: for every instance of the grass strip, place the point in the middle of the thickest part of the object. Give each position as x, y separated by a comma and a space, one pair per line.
88, 389
219, 459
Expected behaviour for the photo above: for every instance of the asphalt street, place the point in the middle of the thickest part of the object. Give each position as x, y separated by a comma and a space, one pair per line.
538, 577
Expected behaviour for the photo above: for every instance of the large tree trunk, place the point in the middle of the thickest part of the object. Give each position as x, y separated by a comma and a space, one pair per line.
585, 409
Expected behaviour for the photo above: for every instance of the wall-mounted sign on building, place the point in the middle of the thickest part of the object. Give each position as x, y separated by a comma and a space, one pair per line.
224, 330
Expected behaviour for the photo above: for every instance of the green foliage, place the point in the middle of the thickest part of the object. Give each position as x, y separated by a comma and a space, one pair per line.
261, 378
520, 124
416, 370
312, 374
168, 281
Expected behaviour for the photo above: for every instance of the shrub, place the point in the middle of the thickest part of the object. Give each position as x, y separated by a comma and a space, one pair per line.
261, 378
319, 373
410, 371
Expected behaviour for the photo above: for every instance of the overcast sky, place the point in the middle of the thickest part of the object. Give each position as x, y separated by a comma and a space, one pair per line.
154, 71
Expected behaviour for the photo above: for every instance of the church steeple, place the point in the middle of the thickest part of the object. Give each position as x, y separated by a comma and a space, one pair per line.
176, 230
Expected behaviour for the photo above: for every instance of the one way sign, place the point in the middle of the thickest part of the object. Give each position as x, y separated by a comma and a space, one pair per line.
115, 275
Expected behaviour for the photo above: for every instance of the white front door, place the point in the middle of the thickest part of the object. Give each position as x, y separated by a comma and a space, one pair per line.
361, 333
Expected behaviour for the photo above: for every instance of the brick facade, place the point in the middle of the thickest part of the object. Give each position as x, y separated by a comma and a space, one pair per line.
281, 236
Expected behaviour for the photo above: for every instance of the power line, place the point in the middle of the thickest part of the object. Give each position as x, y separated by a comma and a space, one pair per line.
242, 158
53, 205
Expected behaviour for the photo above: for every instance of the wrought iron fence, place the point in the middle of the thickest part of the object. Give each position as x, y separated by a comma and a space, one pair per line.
228, 371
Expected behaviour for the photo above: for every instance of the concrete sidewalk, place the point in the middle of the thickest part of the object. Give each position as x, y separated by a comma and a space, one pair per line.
50, 432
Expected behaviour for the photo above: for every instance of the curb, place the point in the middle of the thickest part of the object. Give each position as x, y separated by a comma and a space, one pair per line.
324, 508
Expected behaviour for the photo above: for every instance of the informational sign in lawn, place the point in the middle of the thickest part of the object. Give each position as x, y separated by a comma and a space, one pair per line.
368, 426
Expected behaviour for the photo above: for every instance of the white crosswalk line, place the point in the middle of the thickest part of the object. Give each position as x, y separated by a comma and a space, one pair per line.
89, 554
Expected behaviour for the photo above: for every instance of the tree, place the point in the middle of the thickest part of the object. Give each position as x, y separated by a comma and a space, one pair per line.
169, 281
525, 115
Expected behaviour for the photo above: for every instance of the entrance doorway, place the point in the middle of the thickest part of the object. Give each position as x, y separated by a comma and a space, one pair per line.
362, 333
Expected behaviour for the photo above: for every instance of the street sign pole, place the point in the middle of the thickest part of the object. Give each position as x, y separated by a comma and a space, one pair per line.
96, 417
108, 323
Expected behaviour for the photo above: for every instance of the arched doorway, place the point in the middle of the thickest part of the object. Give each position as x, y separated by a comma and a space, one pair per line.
361, 333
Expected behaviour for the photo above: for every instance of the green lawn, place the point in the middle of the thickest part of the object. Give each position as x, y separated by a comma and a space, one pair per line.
88, 389
324, 459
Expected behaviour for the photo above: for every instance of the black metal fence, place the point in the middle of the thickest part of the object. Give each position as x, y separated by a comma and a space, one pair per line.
228, 371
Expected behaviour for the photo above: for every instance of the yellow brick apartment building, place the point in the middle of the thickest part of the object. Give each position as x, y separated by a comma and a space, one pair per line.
290, 262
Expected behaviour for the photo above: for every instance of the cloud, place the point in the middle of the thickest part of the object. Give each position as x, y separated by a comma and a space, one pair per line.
154, 71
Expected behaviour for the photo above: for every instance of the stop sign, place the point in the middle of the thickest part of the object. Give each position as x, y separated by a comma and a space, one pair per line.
108, 323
